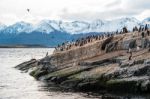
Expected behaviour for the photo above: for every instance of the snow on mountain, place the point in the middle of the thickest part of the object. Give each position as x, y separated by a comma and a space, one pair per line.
53, 32
44, 27
18, 28
146, 21
2, 26
118, 24
55, 24
96, 24
75, 27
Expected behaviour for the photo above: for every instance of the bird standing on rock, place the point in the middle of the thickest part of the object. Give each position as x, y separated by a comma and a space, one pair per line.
130, 57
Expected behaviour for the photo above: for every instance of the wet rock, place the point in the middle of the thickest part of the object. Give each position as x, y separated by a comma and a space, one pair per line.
145, 86
33, 71
111, 97
25, 66
70, 84
85, 85
122, 85
37, 73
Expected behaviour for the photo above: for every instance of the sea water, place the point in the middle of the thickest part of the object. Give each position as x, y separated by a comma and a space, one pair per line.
15, 84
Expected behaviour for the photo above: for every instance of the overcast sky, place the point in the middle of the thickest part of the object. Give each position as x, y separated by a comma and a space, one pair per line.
16, 10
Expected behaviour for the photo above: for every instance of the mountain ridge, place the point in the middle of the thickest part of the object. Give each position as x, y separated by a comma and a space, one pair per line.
75, 27
52, 32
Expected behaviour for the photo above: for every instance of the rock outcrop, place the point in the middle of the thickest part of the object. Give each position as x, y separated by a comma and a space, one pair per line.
102, 65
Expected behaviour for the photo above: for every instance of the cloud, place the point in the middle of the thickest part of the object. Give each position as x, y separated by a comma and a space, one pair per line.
114, 3
71, 9
93, 15
144, 14
111, 10
137, 4
8, 18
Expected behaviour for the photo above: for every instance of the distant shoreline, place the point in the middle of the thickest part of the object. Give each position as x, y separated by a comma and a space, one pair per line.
25, 46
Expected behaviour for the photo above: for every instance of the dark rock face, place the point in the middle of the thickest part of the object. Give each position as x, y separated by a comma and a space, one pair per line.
111, 47
107, 41
132, 44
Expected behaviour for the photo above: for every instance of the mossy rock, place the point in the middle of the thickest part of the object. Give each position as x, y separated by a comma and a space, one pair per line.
70, 84
90, 85
26, 65
64, 72
37, 73
33, 72
123, 86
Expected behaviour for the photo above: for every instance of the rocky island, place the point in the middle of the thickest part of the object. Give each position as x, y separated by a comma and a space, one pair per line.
113, 63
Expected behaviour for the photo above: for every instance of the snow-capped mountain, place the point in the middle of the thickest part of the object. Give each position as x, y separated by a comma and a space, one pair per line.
53, 32
44, 27
18, 27
2, 26
76, 27
118, 24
